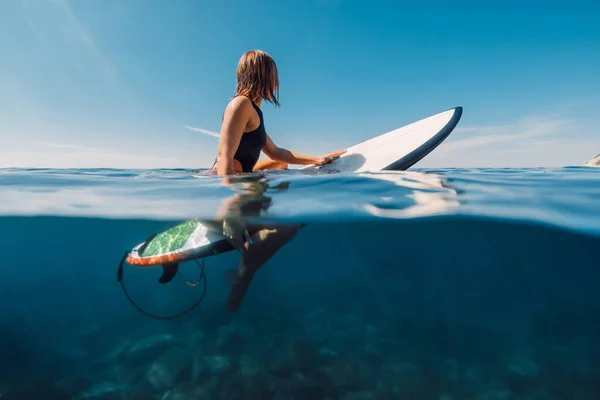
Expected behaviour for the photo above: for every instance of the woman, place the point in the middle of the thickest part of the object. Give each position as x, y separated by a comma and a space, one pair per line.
243, 135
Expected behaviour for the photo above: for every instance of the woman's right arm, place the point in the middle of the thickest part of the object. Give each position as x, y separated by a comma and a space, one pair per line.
235, 119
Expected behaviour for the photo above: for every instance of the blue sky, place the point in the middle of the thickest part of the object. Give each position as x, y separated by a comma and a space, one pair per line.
134, 84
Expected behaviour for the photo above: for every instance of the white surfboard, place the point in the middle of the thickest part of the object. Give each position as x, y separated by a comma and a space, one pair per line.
398, 149
395, 150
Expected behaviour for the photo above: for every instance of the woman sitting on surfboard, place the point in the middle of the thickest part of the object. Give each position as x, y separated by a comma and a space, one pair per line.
243, 135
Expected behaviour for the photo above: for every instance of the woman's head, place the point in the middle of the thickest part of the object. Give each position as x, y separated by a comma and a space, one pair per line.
257, 77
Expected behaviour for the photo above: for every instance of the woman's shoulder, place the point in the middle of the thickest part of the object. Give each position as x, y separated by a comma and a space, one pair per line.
239, 103
239, 107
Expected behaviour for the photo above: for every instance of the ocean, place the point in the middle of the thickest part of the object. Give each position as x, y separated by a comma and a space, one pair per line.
439, 284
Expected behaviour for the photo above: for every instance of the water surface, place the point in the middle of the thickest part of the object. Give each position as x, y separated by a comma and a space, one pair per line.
426, 284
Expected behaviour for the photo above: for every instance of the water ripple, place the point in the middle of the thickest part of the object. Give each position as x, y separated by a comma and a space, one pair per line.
566, 197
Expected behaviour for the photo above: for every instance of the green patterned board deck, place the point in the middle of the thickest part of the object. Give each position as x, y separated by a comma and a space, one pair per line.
170, 240
185, 241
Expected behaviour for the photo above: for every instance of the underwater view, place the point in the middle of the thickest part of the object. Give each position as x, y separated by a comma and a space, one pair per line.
440, 284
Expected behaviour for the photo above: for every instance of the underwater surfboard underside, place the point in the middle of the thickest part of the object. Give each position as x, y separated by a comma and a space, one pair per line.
188, 240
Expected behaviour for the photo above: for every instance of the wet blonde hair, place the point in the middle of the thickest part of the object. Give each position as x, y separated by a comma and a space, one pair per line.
257, 77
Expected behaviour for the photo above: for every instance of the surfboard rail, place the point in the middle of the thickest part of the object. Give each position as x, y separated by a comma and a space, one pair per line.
417, 155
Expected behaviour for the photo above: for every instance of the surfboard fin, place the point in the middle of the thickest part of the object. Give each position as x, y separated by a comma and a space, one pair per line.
169, 271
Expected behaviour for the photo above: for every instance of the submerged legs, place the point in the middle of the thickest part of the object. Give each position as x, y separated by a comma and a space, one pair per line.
265, 243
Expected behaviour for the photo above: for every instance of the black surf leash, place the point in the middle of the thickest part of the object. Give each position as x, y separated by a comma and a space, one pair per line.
202, 278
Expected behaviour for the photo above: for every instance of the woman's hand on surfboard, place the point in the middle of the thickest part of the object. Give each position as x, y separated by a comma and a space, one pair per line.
327, 158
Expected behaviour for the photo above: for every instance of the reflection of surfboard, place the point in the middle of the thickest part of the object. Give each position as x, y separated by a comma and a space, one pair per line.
398, 149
